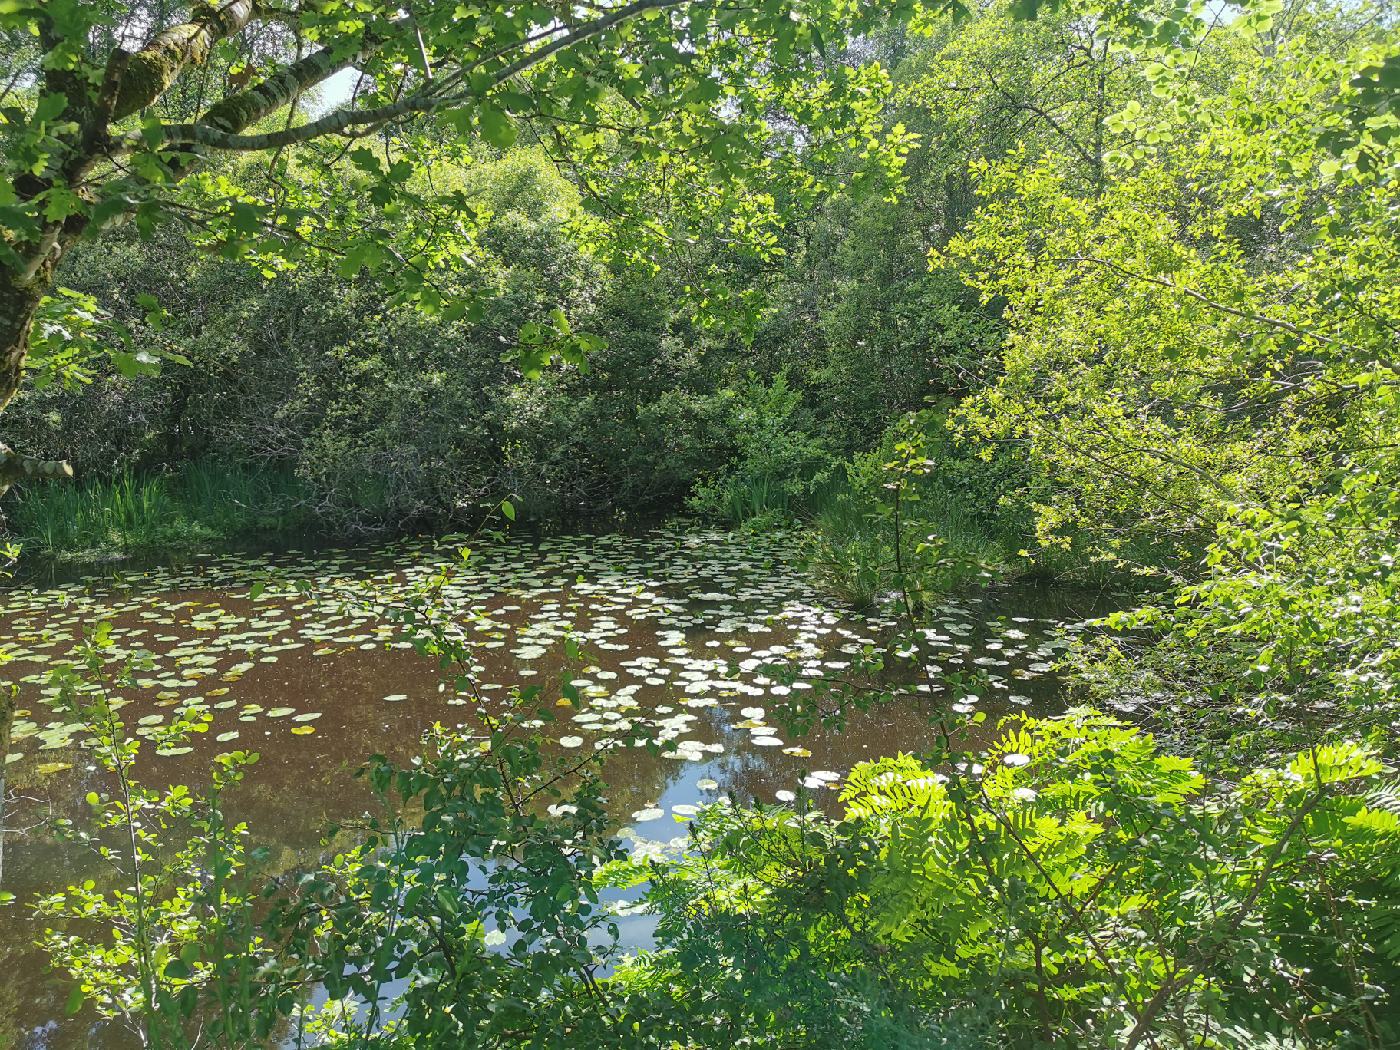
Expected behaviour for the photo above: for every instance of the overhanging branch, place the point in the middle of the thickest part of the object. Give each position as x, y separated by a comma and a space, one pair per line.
218, 128
15, 468
149, 72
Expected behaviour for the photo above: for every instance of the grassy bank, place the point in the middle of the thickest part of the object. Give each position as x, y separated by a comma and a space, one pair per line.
189, 508
850, 548
946, 545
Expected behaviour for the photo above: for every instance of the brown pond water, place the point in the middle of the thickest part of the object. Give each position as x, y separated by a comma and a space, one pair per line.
675, 625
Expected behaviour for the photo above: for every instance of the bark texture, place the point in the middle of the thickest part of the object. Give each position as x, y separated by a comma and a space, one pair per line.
17, 308
153, 69
130, 82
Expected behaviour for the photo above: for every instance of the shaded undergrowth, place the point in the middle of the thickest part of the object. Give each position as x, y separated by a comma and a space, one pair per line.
961, 520
195, 505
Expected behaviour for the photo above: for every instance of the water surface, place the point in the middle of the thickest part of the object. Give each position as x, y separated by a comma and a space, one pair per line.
676, 629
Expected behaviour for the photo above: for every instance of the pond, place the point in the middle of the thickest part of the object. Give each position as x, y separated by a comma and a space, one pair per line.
676, 628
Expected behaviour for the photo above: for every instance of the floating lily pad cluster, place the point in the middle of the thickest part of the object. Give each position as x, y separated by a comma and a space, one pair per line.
678, 628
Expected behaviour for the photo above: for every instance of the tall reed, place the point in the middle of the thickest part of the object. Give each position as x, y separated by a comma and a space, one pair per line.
199, 503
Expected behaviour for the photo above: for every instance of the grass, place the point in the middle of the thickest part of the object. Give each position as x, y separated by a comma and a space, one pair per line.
745, 501
850, 550
759, 497
850, 553
198, 504
946, 545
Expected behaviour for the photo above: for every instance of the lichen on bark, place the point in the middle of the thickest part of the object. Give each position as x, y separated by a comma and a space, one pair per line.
150, 71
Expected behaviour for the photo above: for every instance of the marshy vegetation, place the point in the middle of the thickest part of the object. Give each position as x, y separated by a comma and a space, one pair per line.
687, 524
196, 505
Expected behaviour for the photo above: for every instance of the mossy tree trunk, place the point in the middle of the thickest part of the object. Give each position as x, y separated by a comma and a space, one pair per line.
94, 101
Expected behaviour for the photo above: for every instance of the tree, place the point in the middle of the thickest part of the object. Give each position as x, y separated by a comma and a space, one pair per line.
1200, 364
733, 112
639, 100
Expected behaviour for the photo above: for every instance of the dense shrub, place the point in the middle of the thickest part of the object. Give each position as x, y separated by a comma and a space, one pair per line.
776, 460
1075, 888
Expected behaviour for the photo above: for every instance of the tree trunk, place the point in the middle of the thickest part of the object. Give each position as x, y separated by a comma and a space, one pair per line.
21, 291
19, 301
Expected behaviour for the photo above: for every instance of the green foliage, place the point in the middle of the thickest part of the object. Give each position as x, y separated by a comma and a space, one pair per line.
389, 419
683, 262
71, 330
139, 951
464, 911
202, 503
849, 548
1298, 605
1074, 887
1199, 362
666, 112
777, 462
948, 508
627, 437
1191, 338
1071, 884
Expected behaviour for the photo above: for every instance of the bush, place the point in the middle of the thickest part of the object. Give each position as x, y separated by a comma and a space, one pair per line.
627, 437
777, 462
956, 523
1075, 888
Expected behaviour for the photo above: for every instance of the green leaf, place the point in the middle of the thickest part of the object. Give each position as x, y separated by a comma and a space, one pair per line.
141, 362
152, 131
49, 106
496, 127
